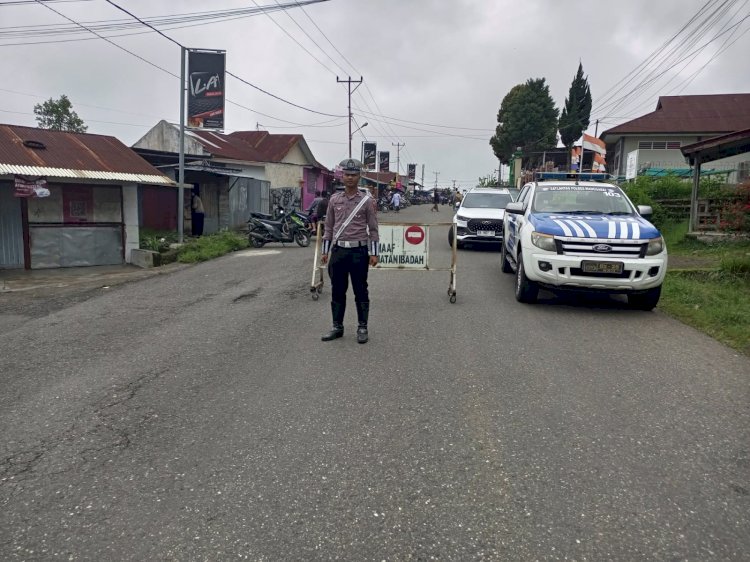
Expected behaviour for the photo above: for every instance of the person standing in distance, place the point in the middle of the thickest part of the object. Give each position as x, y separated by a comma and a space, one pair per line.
350, 247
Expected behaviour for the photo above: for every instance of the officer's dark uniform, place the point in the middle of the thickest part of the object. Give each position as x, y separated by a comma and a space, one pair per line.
349, 254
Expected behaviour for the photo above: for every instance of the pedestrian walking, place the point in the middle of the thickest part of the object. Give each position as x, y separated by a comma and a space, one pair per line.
396, 201
312, 212
351, 241
436, 201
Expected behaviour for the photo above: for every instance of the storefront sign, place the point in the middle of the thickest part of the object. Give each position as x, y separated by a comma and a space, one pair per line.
30, 188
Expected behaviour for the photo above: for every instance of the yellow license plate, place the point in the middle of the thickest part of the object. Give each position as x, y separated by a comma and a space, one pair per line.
614, 267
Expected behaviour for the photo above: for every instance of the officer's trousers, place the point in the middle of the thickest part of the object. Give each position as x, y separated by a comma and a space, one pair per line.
345, 263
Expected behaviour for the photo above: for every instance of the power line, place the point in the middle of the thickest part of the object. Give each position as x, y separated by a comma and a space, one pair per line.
227, 71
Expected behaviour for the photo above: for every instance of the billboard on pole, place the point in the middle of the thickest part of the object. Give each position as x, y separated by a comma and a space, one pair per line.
369, 153
384, 162
206, 92
412, 171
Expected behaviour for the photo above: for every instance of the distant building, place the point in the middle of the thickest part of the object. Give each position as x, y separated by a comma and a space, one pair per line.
236, 173
653, 141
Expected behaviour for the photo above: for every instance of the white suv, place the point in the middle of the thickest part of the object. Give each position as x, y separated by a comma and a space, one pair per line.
479, 218
583, 235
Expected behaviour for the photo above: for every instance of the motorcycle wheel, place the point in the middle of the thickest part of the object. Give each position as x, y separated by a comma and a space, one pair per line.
302, 238
256, 242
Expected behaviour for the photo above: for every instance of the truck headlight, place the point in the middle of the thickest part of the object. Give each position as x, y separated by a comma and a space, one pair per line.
655, 246
545, 242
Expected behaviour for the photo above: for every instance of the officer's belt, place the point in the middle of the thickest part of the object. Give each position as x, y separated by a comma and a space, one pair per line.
350, 244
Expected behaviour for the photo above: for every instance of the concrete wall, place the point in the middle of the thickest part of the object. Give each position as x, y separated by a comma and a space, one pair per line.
166, 137
284, 175
669, 158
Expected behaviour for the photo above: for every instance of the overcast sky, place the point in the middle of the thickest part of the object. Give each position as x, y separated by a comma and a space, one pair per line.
444, 65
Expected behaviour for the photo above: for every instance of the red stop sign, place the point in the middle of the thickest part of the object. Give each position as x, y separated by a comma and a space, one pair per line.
414, 234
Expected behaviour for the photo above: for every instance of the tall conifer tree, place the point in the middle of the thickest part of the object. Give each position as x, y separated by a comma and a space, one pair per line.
575, 116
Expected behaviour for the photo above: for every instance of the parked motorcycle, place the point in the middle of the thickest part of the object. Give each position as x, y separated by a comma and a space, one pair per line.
263, 229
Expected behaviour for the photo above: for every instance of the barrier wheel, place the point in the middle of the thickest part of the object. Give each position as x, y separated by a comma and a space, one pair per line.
453, 299
315, 296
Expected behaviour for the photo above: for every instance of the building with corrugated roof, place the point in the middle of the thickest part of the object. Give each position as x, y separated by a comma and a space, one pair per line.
654, 140
69, 199
236, 173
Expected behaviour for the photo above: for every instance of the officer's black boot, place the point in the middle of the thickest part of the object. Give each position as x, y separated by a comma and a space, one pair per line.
363, 311
337, 312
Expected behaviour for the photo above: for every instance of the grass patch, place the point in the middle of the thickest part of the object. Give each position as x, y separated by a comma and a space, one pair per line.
717, 302
212, 246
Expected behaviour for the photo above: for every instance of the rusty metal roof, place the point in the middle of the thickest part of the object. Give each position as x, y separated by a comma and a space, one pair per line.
40, 152
715, 113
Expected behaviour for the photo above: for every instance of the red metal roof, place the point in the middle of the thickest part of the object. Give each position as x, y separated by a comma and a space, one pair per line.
715, 113
69, 151
250, 146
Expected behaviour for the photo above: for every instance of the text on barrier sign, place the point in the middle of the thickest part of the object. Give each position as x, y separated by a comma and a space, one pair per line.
403, 246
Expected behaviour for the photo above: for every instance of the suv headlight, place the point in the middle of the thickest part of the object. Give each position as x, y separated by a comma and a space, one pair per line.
655, 246
545, 242
462, 219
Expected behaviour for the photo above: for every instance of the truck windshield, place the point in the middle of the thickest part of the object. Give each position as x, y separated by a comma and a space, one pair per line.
486, 200
581, 199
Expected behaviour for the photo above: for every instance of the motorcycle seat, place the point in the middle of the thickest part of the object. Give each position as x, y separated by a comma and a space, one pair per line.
262, 216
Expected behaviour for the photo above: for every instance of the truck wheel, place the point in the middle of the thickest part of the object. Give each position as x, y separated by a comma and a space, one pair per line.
526, 290
504, 263
645, 301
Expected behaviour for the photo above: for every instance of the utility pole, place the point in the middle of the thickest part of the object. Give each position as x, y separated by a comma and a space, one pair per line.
398, 160
181, 161
349, 83
422, 176
436, 175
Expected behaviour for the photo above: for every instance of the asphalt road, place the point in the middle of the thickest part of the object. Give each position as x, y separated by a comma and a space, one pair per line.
197, 416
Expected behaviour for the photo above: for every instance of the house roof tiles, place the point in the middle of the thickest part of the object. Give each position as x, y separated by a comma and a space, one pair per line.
715, 113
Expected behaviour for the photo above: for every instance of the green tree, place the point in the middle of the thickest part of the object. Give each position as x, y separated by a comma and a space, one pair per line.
527, 118
575, 116
58, 115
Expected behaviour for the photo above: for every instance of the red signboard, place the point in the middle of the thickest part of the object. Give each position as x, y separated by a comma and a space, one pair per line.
414, 234
28, 188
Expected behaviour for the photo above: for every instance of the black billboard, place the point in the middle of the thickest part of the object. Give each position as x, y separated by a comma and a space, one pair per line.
384, 162
369, 152
206, 92
412, 171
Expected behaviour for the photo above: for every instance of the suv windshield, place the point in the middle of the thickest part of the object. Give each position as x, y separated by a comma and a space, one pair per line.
486, 200
581, 199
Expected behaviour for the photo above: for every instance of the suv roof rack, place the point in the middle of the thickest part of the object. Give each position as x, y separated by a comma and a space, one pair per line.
591, 176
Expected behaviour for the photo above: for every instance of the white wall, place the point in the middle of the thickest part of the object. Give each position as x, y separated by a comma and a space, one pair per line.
130, 219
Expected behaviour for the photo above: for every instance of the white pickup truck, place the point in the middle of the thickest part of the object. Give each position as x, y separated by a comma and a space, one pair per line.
570, 231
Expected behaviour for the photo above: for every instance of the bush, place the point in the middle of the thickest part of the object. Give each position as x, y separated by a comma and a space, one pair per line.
156, 240
639, 195
212, 246
735, 214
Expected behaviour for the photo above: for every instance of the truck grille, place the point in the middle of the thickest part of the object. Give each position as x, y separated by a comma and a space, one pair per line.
624, 249
485, 224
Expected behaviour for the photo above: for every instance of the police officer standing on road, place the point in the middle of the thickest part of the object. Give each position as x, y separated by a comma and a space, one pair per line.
351, 240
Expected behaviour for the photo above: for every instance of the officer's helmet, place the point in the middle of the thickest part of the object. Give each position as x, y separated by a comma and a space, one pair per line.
351, 166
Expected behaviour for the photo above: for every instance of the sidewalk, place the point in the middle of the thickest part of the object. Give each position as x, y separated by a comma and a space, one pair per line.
59, 279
